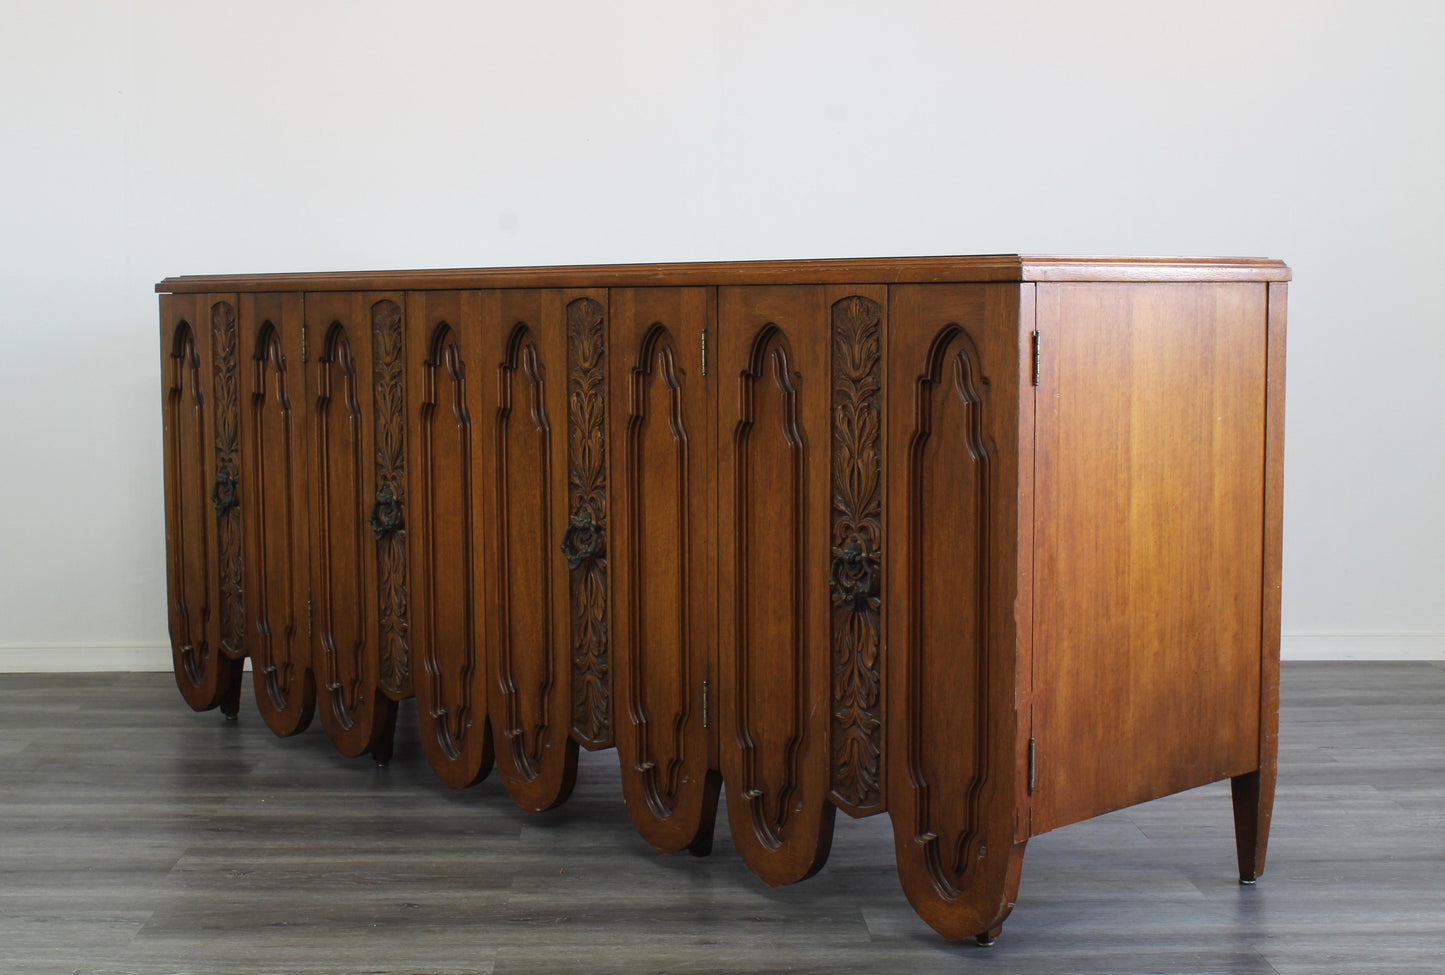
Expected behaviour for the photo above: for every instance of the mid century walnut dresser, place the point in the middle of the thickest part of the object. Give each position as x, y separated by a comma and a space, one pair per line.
990, 544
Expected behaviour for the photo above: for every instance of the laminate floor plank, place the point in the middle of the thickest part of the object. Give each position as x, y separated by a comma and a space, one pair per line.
137, 837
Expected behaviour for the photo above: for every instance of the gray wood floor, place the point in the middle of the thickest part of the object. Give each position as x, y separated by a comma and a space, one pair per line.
137, 837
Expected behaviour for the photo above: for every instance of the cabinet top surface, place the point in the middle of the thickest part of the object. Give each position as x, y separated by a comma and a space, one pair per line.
889, 270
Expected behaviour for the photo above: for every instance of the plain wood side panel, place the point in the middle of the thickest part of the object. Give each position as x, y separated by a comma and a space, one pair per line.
662, 564
1150, 457
273, 502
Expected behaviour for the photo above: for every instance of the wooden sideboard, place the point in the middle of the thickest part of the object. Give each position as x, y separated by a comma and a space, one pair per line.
990, 544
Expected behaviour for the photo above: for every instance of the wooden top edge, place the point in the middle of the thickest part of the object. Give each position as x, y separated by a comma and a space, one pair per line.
896, 270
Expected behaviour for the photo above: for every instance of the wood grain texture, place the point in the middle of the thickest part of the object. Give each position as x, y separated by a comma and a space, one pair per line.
274, 508
774, 396
1150, 503
347, 492
531, 688
663, 570
449, 576
954, 574
893, 270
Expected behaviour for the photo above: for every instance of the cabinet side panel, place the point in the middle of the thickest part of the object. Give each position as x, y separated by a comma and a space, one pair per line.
1150, 501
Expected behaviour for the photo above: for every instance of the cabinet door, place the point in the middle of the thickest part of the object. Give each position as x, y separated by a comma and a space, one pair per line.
203, 520
955, 372
359, 597
273, 499
449, 574
774, 436
662, 562
531, 687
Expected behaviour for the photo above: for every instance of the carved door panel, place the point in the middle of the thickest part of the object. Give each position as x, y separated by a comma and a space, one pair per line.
531, 654
359, 599
662, 562
955, 372
273, 500
449, 574
203, 523
774, 440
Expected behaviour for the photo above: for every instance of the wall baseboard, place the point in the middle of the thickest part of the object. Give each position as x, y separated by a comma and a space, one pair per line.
1334, 645
69, 658
36, 658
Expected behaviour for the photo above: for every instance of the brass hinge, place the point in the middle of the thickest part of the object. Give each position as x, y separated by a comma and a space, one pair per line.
1036, 358
1033, 764
303, 343
704, 704
704, 357
308, 619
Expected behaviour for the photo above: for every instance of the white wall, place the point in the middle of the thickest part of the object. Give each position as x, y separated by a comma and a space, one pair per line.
149, 138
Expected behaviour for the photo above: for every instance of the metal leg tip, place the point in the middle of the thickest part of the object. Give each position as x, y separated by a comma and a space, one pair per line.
233, 717
1247, 881
985, 940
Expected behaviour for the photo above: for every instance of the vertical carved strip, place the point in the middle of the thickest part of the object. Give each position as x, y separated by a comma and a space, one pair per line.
857, 523
187, 404
585, 544
225, 495
387, 515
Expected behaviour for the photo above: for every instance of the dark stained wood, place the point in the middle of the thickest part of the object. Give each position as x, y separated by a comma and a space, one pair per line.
663, 562
447, 401
531, 654
953, 570
915, 270
1150, 505
274, 508
989, 544
355, 514
197, 565
774, 446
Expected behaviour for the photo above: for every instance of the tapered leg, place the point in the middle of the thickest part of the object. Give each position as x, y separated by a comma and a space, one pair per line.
1253, 805
231, 697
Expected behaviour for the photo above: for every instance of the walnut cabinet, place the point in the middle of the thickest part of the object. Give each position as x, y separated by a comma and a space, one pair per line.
990, 545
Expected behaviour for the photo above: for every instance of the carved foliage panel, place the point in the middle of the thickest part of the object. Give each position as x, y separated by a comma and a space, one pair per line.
225, 494
584, 544
774, 438
856, 580
273, 502
663, 573
388, 521
532, 710
445, 538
